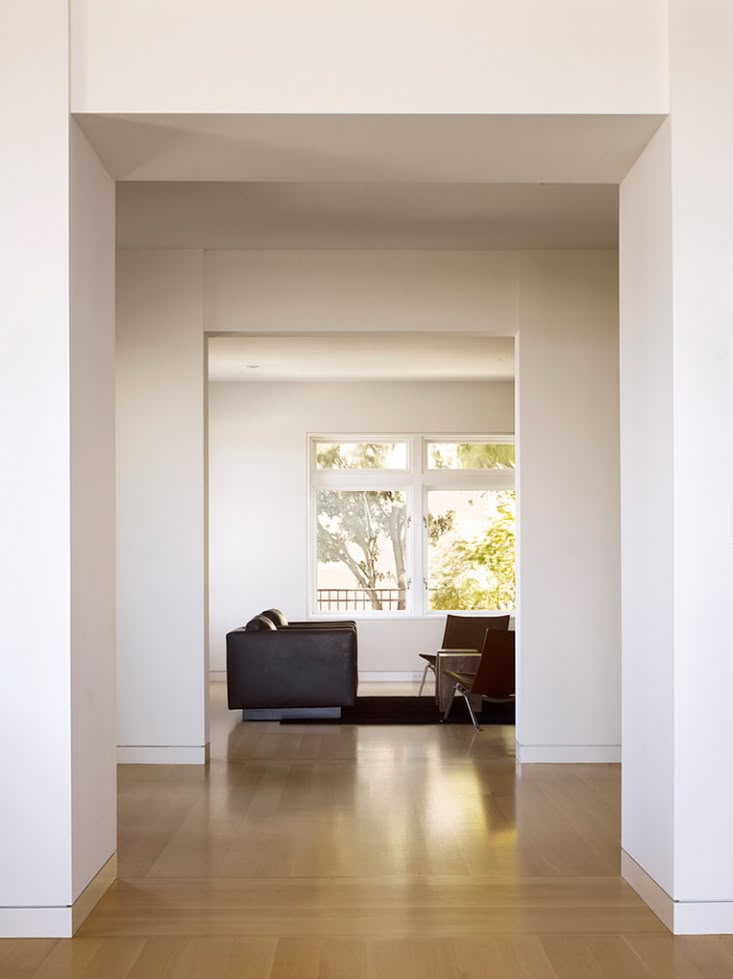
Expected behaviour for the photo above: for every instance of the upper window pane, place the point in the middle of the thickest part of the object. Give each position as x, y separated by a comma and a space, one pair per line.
361, 455
471, 455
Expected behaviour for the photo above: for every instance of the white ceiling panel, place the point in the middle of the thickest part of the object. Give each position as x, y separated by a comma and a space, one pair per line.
357, 357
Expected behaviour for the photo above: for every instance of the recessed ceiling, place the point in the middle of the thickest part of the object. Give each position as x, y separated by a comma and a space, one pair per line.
356, 357
357, 215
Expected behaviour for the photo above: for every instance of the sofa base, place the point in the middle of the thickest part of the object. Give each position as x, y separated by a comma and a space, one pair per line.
291, 713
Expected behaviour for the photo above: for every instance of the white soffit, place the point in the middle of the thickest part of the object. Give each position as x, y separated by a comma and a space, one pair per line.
373, 357
366, 216
370, 148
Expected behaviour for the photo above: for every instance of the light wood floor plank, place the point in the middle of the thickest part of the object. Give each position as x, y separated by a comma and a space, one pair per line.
421, 956
69, 959
343, 960
296, 959
501, 957
23, 958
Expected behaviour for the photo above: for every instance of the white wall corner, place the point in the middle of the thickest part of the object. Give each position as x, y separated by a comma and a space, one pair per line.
93, 893
58, 922
648, 890
681, 917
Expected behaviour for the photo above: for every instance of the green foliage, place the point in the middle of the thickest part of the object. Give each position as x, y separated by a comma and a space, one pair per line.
440, 524
480, 574
476, 455
488, 455
366, 455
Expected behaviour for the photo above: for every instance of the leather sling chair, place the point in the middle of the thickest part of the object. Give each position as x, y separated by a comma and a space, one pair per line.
465, 633
494, 680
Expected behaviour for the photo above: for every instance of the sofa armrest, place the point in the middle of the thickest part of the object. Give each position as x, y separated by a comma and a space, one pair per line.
322, 624
292, 668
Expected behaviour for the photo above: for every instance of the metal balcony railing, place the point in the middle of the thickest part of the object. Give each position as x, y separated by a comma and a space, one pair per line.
360, 599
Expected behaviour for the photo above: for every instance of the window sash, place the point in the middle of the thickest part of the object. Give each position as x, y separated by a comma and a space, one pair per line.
415, 482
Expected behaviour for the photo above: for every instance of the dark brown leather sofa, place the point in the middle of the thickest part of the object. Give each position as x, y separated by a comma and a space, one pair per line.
289, 665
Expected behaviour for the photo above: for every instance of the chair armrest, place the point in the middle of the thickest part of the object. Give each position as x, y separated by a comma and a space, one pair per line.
465, 679
459, 652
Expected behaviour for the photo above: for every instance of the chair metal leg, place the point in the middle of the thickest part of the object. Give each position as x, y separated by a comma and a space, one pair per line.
424, 678
467, 698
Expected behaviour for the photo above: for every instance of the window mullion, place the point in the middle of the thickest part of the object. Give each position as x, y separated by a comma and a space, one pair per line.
417, 540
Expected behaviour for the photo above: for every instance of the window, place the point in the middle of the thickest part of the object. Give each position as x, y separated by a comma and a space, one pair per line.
412, 524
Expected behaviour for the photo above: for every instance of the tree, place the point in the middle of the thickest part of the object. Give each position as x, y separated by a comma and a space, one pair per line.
486, 455
480, 573
354, 525
475, 455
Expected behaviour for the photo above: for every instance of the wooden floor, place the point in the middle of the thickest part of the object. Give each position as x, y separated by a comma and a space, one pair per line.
331, 852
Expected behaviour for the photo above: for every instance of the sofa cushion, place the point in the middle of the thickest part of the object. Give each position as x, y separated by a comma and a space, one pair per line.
275, 616
260, 623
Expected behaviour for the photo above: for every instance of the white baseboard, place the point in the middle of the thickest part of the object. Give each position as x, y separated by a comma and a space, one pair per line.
366, 676
58, 922
92, 893
681, 917
388, 676
162, 754
648, 890
703, 918
36, 923
568, 754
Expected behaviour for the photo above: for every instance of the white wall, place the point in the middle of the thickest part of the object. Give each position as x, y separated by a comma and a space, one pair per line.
258, 472
57, 818
530, 56
92, 413
35, 761
161, 693
569, 661
647, 511
361, 291
677, 349
702, 257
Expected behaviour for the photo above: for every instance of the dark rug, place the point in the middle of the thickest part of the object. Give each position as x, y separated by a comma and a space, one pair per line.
410, 710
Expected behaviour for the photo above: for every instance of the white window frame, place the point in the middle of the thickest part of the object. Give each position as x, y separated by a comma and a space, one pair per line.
416, 482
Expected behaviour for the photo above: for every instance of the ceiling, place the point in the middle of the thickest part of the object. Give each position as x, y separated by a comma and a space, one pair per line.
369, 181
359, 357
370, 148
366, 215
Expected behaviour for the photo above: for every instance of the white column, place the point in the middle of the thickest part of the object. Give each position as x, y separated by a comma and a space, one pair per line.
647, 514
568, 682
57, 819
677, 432
161, 622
